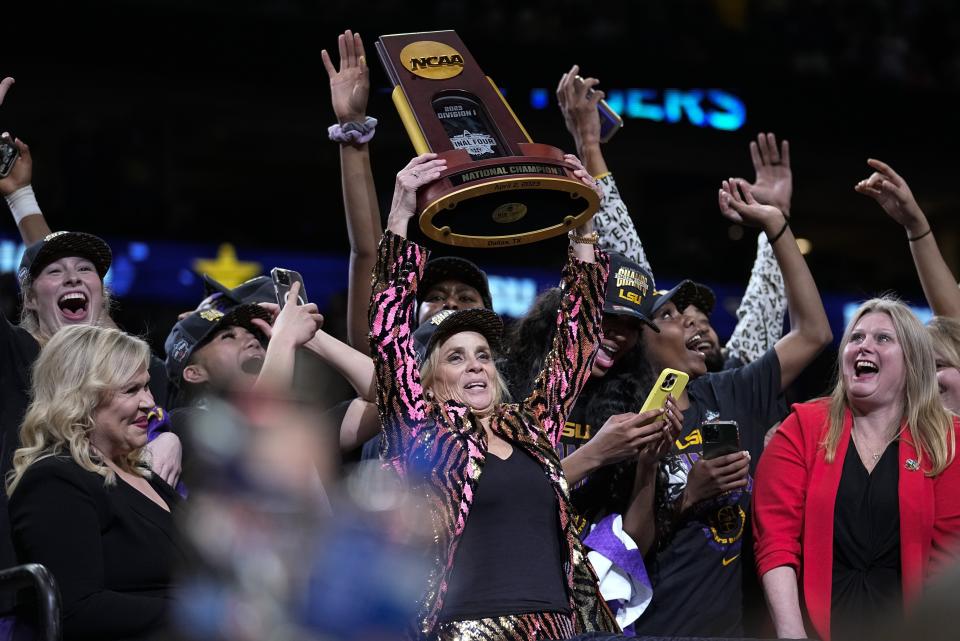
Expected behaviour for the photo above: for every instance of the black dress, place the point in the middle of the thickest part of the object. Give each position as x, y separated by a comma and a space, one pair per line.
111, 549
866, 546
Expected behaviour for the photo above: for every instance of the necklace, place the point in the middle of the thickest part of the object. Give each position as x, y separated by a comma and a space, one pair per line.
876, 455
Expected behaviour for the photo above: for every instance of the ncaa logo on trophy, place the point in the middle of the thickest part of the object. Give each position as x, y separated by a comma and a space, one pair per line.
500, 188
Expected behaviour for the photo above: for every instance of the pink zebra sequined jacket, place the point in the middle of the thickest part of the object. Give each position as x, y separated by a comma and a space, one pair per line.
440, 449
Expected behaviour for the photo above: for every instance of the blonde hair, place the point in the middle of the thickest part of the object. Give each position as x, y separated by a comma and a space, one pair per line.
30, 320
945, 333
428, 372
79, 369
930, 424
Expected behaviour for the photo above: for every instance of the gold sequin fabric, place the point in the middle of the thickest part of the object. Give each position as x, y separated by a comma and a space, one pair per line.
517, 627
440, 449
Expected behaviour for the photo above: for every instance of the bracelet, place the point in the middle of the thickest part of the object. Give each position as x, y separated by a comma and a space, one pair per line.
590, 239
918, 237
354, 133
786, 223
23, 203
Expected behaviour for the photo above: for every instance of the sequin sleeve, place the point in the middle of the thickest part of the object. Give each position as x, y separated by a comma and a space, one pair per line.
400, 401
567, 366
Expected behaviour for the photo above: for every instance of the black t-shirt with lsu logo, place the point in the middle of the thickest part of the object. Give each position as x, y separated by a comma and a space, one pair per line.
697, 572
576, 432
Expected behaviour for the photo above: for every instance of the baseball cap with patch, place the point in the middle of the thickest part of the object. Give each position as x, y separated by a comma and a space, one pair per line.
698, 295
258, 289
196, 329
628, 286
448, 322
444, 268
685, 291
62, 244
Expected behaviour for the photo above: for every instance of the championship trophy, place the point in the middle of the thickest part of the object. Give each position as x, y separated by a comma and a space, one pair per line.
499, 189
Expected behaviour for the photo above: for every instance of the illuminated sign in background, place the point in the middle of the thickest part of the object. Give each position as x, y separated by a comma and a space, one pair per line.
165, 273
712, 108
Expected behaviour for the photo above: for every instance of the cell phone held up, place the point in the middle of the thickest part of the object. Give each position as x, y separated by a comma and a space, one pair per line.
670, 381
719, 438
283, 280
610, 121
9, 152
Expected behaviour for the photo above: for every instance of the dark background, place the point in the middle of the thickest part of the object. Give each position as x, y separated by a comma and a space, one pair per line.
206, 120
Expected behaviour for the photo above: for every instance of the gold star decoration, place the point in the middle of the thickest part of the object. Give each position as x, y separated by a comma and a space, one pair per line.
225, 268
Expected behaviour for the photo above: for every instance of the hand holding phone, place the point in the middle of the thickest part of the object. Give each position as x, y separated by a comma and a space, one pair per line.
670, 382
9, 152
610, 120
719, 438
711, 477
283, 279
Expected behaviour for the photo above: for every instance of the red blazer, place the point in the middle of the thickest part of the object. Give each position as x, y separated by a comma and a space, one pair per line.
794, 495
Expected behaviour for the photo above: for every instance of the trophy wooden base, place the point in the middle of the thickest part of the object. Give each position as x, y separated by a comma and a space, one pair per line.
504, 201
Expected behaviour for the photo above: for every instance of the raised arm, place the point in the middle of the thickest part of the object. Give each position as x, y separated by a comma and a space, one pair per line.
349, 90
392, 314
18, 192
567, 365
809, 328
893, 194
293, 327
761, 310
357, 368
578, 102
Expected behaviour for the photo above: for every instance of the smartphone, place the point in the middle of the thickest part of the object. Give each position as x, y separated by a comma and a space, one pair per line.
283, 279
719, 438
610, 121
671, 381
8, 155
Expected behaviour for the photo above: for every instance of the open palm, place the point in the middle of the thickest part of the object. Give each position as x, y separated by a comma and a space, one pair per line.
774, 177
350, 85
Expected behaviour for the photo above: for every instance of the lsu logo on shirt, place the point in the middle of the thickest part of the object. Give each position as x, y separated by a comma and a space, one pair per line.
576, 432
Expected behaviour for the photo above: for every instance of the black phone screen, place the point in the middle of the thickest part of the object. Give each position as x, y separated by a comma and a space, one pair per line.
720, 438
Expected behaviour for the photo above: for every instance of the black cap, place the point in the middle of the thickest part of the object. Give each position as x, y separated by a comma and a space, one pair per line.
450, 321
258, 289
686, 290
444, 268
194, 330
628, 286
61, 244
698, 295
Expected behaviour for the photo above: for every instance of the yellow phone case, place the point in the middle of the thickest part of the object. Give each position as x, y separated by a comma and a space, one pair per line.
669, 382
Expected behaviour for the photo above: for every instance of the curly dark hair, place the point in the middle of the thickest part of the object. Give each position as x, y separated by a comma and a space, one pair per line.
527, 343
622, 390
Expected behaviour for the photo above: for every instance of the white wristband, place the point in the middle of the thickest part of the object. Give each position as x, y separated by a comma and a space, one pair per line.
23, 203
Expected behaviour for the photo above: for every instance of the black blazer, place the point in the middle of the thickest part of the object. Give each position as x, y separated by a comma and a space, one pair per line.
111, 549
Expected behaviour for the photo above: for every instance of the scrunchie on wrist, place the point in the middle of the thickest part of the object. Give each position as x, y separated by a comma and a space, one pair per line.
353, 133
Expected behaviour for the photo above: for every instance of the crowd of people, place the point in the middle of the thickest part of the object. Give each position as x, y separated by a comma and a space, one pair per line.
551, 504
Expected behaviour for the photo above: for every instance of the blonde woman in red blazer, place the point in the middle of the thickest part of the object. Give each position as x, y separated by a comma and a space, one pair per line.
841, 470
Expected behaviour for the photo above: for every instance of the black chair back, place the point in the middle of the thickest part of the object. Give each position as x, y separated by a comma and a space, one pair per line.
41, 584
